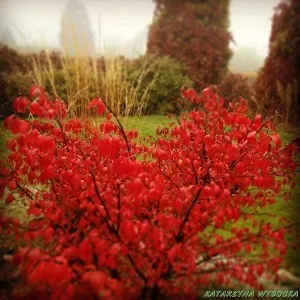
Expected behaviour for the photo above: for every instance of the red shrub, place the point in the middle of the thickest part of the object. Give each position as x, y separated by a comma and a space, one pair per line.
123, 220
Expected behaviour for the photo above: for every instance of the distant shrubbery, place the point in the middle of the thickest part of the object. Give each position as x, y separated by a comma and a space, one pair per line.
11, 60
15, 77
234, 86
129, 86
75, 80
168, 77
147, 85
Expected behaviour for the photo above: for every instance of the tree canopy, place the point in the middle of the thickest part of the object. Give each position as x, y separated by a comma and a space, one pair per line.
277, 86
195, 33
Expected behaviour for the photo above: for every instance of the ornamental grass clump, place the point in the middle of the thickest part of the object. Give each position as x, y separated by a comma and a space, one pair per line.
111, 218
77, 79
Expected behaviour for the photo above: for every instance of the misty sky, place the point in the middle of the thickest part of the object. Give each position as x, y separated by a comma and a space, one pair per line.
37, 22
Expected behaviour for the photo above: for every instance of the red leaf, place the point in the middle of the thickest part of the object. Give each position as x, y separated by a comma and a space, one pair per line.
12, 184
20, 104
16, 125
96, 279
173, 252
85, 252
35, 109
36, 91
9, 199
276, 139
207, 191
128, 231
46, 143
132, 134
48, 173
99, 105
251, 137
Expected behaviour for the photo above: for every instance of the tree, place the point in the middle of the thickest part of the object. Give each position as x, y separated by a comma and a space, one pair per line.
278, 84
76, 36
195, 33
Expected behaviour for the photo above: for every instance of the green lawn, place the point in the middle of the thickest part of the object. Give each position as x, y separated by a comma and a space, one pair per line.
146, 125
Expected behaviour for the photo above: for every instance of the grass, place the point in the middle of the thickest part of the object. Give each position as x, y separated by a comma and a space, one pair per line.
286, 137
146, 125
81, 78
3, 137
294, 208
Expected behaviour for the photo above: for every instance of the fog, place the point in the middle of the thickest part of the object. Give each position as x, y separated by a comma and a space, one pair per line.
122, 25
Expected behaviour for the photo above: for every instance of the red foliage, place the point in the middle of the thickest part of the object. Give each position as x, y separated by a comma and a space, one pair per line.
233, 87
122, 220
282, 63
99, 105
195, 33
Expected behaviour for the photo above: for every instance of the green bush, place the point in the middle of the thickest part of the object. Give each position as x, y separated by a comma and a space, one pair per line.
126, 84
13, 85
15, 77
167, 77
11, 60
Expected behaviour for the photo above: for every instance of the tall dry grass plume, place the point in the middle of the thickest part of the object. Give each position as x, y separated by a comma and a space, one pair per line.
82, 77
